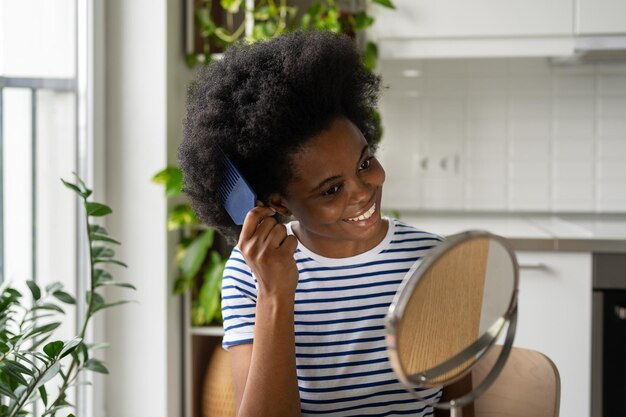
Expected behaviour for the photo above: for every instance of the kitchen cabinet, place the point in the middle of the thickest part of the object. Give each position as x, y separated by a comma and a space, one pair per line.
555, 291
600, 17
479, 18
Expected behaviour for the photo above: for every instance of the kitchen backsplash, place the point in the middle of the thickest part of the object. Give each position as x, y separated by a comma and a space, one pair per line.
522, 135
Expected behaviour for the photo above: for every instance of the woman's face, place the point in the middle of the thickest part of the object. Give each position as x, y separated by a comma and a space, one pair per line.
336, 193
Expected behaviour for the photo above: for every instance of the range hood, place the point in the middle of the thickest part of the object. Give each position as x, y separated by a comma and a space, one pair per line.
599, 49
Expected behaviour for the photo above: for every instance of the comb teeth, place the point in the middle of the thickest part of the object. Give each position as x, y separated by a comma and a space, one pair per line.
236, 194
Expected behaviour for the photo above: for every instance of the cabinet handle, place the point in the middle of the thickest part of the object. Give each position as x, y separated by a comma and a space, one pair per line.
534, 266
620, 312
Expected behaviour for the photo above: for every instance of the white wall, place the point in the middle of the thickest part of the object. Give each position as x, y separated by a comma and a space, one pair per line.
518, 135
145, 80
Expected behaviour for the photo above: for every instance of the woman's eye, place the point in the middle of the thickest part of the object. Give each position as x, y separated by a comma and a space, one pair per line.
366, 164
332, 190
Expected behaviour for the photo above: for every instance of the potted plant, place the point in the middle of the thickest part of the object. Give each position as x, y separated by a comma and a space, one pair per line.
31, 359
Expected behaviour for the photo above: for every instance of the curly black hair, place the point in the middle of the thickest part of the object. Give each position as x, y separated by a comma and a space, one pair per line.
261, 103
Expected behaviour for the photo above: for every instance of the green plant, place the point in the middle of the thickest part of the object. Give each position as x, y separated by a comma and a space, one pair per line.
270, 18
200, 265
26, 369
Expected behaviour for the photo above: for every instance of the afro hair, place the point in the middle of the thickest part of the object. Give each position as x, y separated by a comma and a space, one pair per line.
261, 103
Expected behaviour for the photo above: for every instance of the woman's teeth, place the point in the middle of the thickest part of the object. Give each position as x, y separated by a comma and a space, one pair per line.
365, 215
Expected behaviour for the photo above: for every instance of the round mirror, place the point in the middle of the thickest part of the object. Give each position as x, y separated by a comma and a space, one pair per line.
449, 311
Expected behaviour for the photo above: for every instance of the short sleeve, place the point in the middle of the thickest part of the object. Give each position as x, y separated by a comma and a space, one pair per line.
239, 295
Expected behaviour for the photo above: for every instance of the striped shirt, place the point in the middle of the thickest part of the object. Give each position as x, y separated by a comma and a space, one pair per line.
342, 363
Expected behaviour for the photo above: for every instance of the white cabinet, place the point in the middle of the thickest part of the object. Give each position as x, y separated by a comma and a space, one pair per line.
478, 28
477, 18
600, 17
555, 318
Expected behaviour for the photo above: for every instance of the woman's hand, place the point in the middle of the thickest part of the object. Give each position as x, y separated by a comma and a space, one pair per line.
268, 250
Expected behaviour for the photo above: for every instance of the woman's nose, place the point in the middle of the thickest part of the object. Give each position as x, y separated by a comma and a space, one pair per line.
362, 192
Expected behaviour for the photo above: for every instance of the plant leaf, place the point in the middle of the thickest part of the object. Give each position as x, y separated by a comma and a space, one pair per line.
49, 374
54, 287
180, 216
117, 303
97, 209
64, 297
119, 284
95, 365
102, 252
53, 349
72, 187
46, 328
104, 238
386, 3
196, 252
96, 228
44, 395
171, 177
48, 306
34, 289
110, 261
70, 346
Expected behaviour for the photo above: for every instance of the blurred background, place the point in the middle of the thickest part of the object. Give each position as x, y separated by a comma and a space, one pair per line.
508, 116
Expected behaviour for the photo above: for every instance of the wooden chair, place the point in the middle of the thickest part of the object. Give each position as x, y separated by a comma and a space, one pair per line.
528, 386
218, 398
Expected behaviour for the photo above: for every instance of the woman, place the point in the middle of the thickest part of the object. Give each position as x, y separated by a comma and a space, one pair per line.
303, 302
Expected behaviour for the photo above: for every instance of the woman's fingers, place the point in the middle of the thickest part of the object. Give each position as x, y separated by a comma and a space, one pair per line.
252, 220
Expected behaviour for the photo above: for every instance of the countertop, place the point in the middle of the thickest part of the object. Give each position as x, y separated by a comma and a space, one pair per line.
530, 232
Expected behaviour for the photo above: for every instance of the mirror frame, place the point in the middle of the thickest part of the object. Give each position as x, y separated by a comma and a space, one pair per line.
474, 352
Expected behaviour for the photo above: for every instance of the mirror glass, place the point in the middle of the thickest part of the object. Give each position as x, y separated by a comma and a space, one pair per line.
451, 308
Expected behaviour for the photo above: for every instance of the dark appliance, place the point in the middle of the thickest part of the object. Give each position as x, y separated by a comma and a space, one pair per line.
608, 363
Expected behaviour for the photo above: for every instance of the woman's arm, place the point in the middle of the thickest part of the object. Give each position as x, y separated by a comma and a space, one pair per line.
264, 372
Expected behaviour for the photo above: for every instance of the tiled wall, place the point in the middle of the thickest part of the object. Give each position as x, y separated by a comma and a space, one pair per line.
504, 134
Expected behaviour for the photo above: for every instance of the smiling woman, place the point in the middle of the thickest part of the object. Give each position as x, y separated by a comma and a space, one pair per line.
303, 302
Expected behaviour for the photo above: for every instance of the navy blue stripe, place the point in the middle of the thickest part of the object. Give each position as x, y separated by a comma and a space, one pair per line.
238, 316
240, 260
233, 297
355, 398
418, 239
342, 364
350, 287
346, 331
341, 342
368, 405
349, 387
237, 306
398, 413
248, 293
237, 342
249, 284
340, 321
407, 249
232, 268
363, 265
298, 261
345, 376
236, 326
354, 297
341, 310
410, 232
364, 275
331, 354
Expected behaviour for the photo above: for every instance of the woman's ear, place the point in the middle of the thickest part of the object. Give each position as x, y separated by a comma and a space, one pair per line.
279, 204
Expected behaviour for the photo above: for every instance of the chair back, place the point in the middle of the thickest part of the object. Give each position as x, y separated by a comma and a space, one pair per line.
528, 386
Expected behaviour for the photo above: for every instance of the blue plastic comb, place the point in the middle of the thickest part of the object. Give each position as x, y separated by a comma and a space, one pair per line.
237, 195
